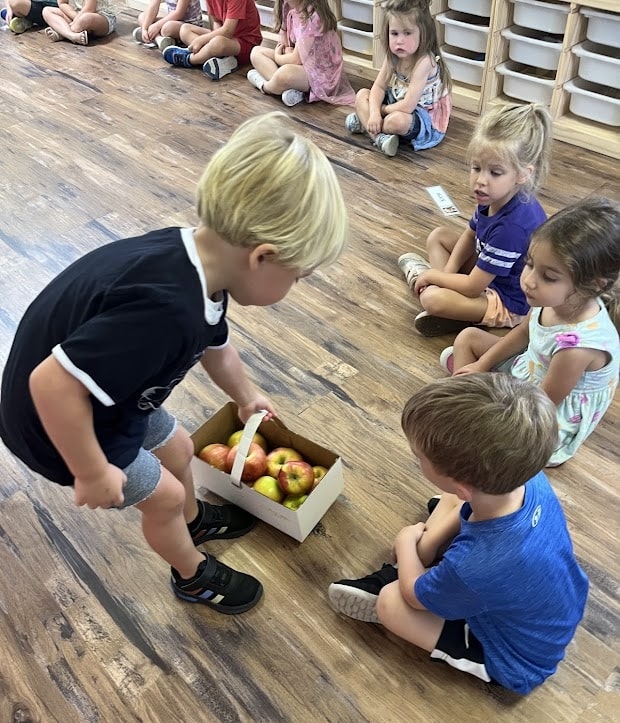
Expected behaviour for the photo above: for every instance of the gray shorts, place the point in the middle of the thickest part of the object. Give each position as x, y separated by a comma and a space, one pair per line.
144, 473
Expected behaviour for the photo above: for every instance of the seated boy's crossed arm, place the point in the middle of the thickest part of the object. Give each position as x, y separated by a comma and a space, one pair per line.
410, 567
440, 528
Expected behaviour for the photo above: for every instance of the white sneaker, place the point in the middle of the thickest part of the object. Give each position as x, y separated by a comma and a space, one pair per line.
292, 97
446, 359
387, 143
256, 78
412, 265
217, 68
164, 41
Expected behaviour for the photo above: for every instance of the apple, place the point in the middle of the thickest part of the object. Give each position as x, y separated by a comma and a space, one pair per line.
216, 455
269, 487
255, 462
294, 502
296, 477
235, 438
319, 473
278, 456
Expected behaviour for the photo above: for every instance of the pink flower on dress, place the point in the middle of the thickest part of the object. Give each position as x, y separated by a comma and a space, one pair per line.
567, 339
575, 419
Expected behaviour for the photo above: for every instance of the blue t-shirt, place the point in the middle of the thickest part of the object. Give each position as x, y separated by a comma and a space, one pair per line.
502, 241
516, 582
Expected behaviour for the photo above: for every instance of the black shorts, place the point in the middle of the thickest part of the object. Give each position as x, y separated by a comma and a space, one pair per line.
461, 649
35, 14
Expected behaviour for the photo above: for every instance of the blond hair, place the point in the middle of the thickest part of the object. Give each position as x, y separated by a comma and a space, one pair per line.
270, 184
520, 135
488, 430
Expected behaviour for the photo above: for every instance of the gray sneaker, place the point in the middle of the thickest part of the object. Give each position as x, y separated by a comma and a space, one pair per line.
164, 41
387, 143
353, 124
412, 265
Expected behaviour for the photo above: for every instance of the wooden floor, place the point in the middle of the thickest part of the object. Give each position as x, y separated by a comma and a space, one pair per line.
108, 141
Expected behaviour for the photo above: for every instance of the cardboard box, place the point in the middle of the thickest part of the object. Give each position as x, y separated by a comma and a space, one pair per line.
296, 523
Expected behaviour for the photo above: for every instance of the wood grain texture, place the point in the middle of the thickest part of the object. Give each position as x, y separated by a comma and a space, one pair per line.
108, 141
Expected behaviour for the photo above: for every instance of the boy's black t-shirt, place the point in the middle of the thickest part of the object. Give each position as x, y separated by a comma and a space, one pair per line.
127, 320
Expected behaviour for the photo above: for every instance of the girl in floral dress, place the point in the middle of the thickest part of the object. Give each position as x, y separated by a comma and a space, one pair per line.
569, 342
307, 61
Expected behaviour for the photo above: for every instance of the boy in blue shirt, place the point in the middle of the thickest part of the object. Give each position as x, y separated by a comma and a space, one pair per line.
100, 349
506, 597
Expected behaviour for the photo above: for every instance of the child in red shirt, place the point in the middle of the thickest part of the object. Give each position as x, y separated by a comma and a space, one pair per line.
235, 30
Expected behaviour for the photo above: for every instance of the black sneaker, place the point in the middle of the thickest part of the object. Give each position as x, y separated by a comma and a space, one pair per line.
219, 586
358, 598
429, 325
219, 522
432, 503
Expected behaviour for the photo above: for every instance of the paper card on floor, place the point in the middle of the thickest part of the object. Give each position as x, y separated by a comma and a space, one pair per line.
444, 202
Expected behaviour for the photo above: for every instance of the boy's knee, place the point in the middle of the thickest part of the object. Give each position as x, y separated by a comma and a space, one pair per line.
437, 236
433, 300
180, 447
168, 500
385, 601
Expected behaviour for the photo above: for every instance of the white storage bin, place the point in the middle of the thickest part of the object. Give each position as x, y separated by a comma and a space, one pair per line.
358, 10
548, 17
594, 101
474, 7
598, 64
602, 28
526, 83
357, 37
465, 31
526, 46
265, 13
463, 66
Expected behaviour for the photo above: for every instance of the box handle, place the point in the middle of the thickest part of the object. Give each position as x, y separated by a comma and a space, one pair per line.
250, 429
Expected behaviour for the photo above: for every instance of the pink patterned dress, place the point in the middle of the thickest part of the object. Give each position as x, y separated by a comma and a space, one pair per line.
321, 57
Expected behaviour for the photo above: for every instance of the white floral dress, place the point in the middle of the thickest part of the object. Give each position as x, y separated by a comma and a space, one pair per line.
582, 409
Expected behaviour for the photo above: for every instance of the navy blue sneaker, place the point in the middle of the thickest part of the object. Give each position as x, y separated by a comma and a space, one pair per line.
218, 586
219, 522
175, 55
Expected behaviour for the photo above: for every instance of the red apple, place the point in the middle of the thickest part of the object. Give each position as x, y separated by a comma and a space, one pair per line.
296, 478
319, 473
294, 502
278, 456
235, 438
255, 462
268, 486
216, 455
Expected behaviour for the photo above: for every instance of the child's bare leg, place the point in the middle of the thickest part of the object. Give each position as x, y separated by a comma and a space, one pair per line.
449, 304
420, 627
176, 456
440, 244
471, 344
94, 23
362, 107
218, 47
397, 123
188, 32
263, 60
172, 29
285, 77
164, 526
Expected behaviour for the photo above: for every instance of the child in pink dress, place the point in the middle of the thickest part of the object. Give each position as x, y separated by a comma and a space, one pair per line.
307, 62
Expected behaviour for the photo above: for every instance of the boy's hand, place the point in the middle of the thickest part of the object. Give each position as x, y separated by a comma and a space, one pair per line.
258, 403
103, 491
408, 538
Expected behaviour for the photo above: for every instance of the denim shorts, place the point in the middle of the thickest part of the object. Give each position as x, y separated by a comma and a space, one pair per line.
144, 473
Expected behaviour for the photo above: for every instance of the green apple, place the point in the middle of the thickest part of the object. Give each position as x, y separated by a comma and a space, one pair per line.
269, 487
319, 473
235, 438
294, 502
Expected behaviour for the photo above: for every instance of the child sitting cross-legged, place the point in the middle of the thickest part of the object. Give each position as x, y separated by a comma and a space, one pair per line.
505, 599
222, 48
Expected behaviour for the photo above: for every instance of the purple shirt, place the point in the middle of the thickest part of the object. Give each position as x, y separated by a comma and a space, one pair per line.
502, 241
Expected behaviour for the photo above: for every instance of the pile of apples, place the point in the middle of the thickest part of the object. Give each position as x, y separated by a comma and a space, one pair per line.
281, 474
